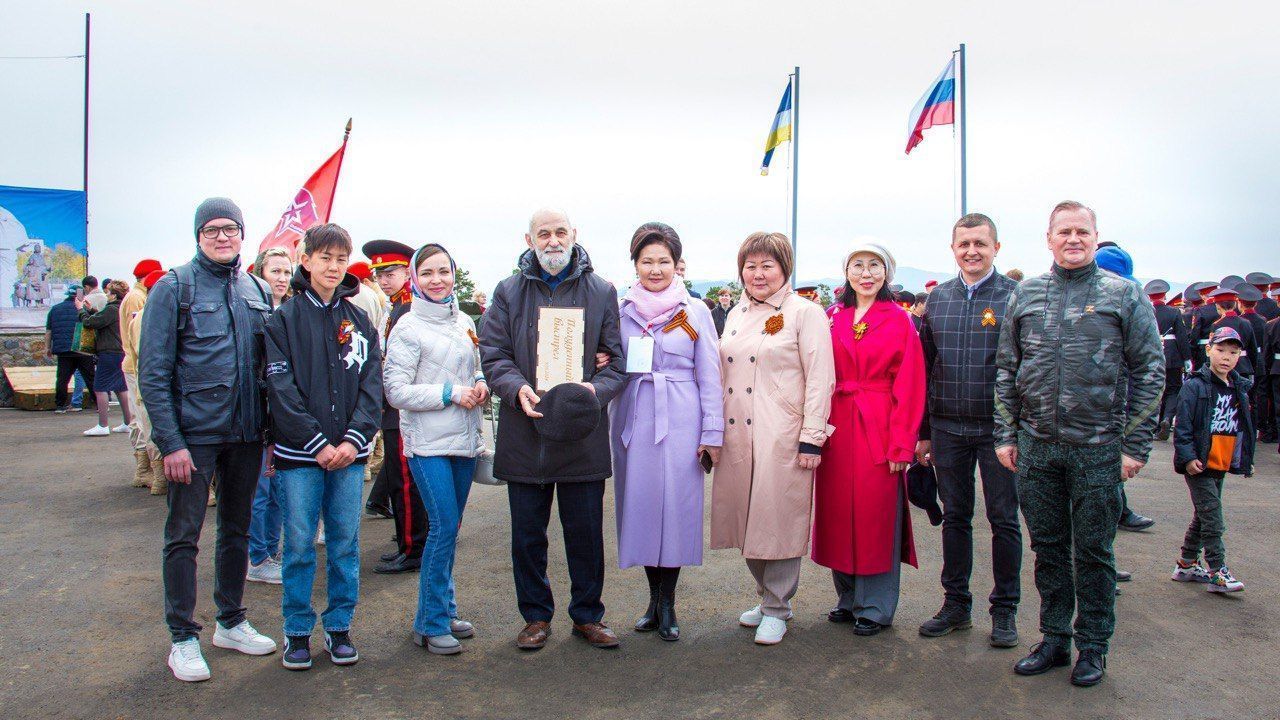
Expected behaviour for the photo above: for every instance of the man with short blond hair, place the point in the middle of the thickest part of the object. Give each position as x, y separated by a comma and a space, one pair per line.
1080, 370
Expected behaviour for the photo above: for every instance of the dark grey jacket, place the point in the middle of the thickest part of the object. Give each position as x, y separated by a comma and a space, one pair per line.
959, 338
508, 354
201, 356
1080, 362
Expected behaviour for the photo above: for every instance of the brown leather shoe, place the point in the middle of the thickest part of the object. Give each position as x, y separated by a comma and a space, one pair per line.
533, 636
598, 634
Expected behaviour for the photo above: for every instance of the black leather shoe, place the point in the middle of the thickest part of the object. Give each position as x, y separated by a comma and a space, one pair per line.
867, 628
1004, 629
1091, 665
399, 564
378, 511
1135, 522
951, 617
1044, 657
1123, 576
388, 557
840, 615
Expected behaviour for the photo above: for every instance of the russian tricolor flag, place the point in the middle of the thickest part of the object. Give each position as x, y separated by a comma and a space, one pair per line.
936, 106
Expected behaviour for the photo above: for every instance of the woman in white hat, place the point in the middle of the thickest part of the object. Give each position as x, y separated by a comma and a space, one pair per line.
861, 528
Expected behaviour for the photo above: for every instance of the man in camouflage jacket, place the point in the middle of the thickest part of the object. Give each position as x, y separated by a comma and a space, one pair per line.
1080, 370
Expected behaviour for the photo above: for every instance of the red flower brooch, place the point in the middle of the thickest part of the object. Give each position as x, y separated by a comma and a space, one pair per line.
773, 325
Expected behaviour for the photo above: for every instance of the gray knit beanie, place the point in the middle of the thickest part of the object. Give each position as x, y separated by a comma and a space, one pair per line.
218, 207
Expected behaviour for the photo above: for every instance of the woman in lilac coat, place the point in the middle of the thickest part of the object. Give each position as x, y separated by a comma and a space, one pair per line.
670, 414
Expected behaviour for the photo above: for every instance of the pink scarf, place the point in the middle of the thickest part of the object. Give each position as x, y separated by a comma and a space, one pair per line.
650, 305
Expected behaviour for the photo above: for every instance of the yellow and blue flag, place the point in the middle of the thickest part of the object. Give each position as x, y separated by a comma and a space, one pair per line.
781, 130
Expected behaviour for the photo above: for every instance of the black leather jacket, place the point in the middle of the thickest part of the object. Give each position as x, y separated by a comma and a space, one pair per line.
201, 356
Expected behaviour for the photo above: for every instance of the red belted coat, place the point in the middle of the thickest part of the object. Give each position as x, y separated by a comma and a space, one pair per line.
878, 404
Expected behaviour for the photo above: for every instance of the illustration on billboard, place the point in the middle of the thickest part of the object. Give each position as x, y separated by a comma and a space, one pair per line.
43, 251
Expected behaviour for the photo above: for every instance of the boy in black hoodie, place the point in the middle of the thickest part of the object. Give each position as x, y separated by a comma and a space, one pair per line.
324, 375
1213, 436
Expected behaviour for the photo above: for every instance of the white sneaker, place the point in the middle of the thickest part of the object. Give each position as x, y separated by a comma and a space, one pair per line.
771, 630
752, 617
1223, 581
267, 571
243, 638
121, 428
187, 662
98, 431
1195, 572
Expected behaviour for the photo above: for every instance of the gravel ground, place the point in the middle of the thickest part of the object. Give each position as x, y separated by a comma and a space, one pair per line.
82, 631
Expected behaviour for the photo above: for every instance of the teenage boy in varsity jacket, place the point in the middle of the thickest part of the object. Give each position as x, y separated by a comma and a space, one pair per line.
324, 375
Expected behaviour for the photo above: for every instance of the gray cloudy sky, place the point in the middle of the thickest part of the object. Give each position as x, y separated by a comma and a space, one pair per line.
1161, 115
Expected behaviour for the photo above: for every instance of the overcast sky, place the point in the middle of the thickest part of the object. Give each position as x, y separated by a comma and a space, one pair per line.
468, 116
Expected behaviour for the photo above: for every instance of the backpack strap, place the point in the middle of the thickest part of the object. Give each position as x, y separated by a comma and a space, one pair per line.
186, 279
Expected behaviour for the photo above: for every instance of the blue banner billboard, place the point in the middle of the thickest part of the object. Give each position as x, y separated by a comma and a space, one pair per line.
43, 251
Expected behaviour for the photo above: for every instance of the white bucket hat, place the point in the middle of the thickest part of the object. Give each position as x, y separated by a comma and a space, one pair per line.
880, 251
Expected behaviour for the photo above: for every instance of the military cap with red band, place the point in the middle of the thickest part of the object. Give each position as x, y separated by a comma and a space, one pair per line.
386, 253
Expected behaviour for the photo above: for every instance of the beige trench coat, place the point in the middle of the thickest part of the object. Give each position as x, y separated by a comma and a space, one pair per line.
777, 394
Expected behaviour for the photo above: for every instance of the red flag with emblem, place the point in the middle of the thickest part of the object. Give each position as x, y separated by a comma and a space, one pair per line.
310, 206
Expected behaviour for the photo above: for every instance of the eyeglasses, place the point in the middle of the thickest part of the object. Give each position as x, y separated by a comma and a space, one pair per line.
874, 268
227, 231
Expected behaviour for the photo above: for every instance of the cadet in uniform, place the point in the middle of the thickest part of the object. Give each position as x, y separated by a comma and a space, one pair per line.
1177, 352
389, 260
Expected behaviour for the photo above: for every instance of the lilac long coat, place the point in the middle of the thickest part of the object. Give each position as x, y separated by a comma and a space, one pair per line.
658, 422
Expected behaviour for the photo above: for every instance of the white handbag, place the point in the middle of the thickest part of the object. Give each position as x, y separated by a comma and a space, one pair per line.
483, 474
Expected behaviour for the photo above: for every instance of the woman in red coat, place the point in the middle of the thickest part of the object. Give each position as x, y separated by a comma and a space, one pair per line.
861, 528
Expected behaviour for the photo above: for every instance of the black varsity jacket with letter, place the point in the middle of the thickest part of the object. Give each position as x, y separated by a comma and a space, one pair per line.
324, 374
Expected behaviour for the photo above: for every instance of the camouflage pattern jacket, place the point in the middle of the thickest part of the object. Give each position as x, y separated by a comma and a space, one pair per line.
1079, 362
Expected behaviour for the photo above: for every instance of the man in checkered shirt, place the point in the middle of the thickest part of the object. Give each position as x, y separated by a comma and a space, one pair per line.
960, 332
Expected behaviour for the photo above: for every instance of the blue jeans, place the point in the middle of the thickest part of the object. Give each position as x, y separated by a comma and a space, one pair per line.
444, 483
307, 492
265, 527
77, 391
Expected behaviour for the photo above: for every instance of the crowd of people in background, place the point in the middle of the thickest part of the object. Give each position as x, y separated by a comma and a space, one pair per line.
291, 383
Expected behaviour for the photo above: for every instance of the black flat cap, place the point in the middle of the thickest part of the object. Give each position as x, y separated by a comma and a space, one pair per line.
922, 491
1248, 293
1229, 282
1259, 278
1156, 287
570, 412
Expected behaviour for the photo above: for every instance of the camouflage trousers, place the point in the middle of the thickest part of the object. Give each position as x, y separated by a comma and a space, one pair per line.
1071, 503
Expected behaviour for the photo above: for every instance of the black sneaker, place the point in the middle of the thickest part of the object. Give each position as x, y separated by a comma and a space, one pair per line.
340, 648
950, 617
1004, 629
297, 652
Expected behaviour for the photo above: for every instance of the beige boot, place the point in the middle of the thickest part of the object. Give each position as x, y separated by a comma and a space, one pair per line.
159, 483
142, 475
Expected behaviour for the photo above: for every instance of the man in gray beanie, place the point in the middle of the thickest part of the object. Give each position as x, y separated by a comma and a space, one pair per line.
200, 371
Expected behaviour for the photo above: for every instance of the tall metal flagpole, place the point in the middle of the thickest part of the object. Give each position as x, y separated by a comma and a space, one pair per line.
345, 136
795, 170
85, 157
964, 129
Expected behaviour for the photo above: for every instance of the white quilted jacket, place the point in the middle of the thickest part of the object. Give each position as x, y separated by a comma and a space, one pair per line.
431, 353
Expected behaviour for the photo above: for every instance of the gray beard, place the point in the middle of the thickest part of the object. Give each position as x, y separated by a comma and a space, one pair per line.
553, 264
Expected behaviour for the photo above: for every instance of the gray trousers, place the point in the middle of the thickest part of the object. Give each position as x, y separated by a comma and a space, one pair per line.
874, 597
1207, 525
776, 583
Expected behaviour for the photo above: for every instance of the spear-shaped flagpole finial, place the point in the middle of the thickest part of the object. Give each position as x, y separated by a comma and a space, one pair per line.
347, 134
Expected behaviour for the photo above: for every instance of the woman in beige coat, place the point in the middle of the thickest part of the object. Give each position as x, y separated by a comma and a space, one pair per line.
775, 356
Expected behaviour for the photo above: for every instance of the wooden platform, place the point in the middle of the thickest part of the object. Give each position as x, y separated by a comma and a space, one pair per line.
32, 386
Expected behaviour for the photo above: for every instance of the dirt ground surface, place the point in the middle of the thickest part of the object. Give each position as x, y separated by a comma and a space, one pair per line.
82, 631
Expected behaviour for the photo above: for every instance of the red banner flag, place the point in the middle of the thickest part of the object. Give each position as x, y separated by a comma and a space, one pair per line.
310, 206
